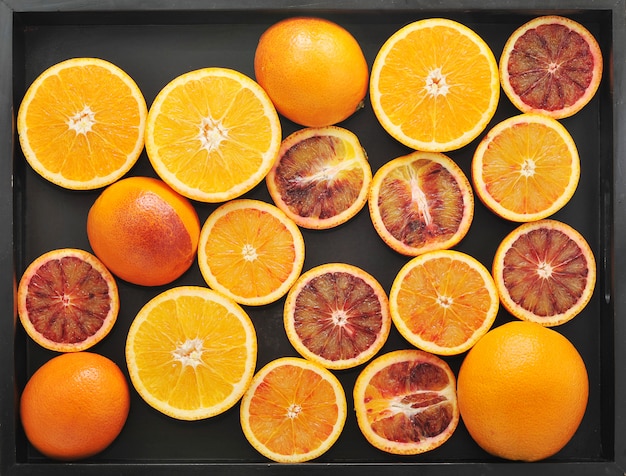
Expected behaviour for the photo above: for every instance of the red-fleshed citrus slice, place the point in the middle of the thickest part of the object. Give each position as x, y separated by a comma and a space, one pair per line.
421, 202
545, 272
321, 177
405, 402
67, 300
337, 315
551, 65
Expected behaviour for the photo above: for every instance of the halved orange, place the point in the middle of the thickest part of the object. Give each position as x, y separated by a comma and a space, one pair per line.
337, 315
321, 177
434, 85
421, 202
545, 272
294, 410
526, 168
191, 352
443, 301
212, 134
250, 251
81, 123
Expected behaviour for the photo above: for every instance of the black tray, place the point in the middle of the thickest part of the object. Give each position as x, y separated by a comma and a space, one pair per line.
156, 41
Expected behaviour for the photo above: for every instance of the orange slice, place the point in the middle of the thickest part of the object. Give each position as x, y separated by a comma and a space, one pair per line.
545, 272
81, 123
337, 315
443, 301
406, 403
212, 134
321, 177
526, 168
191, 352
294, 410
250, 251
434, 85
421, 202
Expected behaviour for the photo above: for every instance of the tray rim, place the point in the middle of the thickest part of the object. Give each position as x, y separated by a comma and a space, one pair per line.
9, 463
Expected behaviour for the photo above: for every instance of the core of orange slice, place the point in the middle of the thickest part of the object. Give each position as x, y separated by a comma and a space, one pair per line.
212, 134
434, 85
526, 168
250, 251
443, 301
294, 410
81, 123
421, 202
321, 177
337, 315
545, 272
191, 352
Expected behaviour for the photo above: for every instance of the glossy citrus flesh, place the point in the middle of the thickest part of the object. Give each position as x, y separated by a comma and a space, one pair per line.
212, 134
313, 70
294, 410
337, 315
406, 403
250, 251
545, 272
67, 300
522, 391
321, 177
81, 123
421, 202
143, 231
75, 405
526, 168
434, 85
551, 65
191, 352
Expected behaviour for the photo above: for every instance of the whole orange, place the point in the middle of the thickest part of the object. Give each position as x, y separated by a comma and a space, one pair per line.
522, 391
143, 231
313, 70
75, 405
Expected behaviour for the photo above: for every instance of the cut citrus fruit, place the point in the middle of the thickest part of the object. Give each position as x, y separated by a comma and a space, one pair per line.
81, 123
551, 65
526, 168
443, 301
434, 85
421, 202
67, 300
250, 251
294, 410
191, 352
212, 134
337, 315
321, 177
545, 272
405, 402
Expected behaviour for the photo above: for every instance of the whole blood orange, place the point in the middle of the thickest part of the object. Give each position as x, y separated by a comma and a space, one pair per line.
75, 405
143, 231
522, 391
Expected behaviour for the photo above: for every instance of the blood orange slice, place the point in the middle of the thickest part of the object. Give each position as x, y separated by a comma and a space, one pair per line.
551, 65
67, 300
406, 402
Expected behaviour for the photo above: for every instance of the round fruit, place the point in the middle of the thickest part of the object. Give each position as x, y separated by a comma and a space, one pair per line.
337, 315
551, 65
67, 300
406, 403
313, 70
421, 202
545, 272
75, 405
143, 231
321, 177
522, 391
